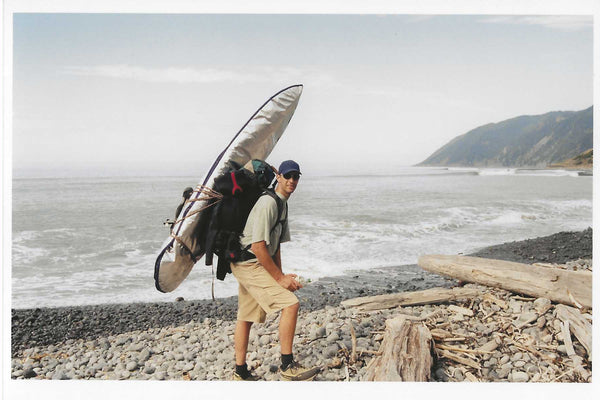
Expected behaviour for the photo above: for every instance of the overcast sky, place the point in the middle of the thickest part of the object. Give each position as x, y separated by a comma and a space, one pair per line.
144, 94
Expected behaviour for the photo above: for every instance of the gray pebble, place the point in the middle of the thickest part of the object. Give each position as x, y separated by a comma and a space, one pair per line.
516, 356
458, 375
441, 375
363, 342
132, 365
121, 340
347, 343
532, 369
519, 376
503, 372
540, 304
29, 373
59, 376
321, 332
264, 340
330, 351
144, 355
330, 376
515, 306
493, 375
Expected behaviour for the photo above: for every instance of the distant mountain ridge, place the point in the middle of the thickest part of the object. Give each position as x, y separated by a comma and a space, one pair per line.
525, 141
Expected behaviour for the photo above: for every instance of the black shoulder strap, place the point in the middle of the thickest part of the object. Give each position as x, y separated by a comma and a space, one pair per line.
280, 207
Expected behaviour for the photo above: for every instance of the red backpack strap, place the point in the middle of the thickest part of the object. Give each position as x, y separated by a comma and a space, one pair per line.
236, 187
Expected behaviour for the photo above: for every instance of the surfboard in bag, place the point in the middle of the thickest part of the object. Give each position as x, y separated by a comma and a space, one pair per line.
255, 140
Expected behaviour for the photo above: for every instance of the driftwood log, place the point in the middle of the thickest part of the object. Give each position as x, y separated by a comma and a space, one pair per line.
421, 297
405, 353
576, 323
561, 286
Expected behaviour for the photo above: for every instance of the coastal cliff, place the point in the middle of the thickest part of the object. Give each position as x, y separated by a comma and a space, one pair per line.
525, 141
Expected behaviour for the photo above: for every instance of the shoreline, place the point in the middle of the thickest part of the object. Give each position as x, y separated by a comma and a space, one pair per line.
342, 341
51, 326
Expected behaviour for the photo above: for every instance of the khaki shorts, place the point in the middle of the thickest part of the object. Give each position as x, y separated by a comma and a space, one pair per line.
259, 292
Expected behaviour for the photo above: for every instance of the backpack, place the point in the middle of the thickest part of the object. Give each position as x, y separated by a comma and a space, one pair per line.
241, 188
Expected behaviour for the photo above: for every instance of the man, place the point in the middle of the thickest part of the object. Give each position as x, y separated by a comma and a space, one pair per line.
263, 287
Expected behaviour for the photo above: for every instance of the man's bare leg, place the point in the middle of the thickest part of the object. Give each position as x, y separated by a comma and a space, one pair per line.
240, 339
287, 327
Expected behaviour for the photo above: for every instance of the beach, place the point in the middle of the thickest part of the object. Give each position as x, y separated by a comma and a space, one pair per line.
193, 340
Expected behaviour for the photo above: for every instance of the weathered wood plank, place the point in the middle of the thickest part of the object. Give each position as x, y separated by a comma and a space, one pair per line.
537, 281
405, 353
566, 334
455, 357
428, 296
578, 324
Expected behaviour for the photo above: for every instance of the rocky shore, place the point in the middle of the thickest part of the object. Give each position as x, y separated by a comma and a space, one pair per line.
193, 340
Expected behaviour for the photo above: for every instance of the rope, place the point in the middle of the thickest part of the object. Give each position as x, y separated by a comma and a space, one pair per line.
209, 195
207, 190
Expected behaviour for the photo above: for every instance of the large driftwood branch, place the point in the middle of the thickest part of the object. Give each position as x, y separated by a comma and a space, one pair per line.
405, 353
555, 284
429, 296
578, 324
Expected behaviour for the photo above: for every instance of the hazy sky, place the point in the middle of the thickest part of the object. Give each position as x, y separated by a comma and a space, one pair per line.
146, 94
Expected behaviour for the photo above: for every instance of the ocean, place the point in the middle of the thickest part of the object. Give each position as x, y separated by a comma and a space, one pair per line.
83, 241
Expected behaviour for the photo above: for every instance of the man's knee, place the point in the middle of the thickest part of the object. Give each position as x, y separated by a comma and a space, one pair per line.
293, 308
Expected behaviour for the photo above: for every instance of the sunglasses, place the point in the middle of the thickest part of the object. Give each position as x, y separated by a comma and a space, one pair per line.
294, 175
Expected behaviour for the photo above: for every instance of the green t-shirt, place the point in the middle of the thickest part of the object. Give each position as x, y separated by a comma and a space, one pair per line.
261, 220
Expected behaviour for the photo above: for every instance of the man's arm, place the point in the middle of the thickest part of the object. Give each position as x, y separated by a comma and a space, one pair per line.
287, 281
277, 259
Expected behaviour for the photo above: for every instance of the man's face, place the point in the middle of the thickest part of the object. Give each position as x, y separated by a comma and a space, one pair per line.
286, 184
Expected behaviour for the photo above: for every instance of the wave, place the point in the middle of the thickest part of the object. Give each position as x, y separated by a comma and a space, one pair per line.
496, 171
337, 224
527, 172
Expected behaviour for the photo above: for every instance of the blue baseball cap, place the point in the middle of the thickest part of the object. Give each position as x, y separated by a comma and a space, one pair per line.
289, 166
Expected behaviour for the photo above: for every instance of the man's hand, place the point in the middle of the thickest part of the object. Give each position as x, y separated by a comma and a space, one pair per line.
289, 282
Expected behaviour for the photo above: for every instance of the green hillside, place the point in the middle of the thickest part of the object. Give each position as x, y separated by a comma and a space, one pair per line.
525, 141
